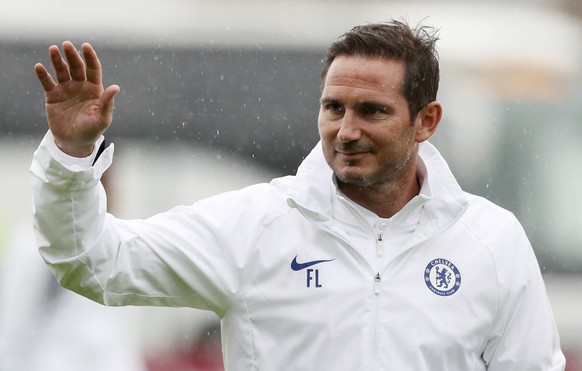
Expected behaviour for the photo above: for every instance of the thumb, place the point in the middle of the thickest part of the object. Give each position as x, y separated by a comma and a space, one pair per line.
106, 104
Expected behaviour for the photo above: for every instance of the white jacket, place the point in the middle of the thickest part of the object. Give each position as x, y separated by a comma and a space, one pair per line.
291, 289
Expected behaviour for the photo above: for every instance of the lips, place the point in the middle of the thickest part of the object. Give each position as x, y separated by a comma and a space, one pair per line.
350, 156
351, 153
348, 149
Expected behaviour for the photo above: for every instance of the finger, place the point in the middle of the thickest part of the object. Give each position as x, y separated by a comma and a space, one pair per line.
61, 68
44, 77
106, 105
94, 73
76, 64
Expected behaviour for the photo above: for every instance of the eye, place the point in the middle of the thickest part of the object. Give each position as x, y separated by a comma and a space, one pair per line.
371, 110
334, 107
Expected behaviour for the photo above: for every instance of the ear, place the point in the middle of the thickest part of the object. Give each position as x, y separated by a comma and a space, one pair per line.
427, 120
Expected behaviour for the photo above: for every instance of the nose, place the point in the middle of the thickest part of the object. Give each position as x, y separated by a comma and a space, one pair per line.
349, 130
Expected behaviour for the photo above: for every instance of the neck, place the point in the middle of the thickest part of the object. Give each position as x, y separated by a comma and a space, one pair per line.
384, 199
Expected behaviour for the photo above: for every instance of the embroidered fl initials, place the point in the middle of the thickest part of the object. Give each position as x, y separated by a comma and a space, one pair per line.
312, 274
310, 277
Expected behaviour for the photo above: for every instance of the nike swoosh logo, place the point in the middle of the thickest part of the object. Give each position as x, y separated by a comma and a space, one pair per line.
299, 266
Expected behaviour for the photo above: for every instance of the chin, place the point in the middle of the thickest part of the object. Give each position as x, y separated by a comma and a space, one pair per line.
353, 178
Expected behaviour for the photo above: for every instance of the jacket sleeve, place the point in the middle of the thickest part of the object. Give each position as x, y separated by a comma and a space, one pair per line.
525, 335
177, 258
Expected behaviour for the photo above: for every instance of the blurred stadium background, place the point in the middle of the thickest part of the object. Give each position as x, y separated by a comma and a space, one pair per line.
220, 94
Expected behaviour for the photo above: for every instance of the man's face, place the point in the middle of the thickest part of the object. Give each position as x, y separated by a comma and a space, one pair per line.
364, 123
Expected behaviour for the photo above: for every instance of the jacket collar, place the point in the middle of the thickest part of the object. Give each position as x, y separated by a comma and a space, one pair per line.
310, 189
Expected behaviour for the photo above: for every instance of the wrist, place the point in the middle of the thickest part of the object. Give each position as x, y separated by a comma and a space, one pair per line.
74, 150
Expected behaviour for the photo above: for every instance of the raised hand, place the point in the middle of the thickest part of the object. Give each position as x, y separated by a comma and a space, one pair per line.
78, 108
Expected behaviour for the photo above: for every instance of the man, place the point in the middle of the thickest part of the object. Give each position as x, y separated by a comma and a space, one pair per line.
370, 258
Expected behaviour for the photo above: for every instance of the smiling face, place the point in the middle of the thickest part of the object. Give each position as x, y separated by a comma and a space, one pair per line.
366, 131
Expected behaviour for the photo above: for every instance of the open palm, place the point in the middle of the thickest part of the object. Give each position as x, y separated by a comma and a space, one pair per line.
78, 108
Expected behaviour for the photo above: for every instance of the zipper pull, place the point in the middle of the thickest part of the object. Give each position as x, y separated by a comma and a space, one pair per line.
380, 246
377, 280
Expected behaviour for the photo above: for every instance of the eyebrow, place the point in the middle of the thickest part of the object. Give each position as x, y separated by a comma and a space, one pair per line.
377, 105
361, 104
323, 100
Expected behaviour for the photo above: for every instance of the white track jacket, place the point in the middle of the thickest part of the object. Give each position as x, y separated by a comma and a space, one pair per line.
464, 293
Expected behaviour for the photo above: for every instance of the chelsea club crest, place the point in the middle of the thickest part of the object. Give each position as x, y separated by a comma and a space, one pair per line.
442, 277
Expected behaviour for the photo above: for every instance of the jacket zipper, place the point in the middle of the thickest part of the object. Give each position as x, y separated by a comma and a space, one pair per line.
377, 287
379, 255
377, 281
380, 246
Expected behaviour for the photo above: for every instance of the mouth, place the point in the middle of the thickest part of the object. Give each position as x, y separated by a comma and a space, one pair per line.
351, 155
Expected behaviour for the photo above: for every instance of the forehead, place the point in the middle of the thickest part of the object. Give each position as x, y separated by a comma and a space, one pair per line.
365, 74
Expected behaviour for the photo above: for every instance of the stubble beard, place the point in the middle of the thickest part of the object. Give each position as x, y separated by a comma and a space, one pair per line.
393, 175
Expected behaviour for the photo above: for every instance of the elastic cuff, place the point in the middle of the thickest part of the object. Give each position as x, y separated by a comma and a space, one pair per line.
70, 162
